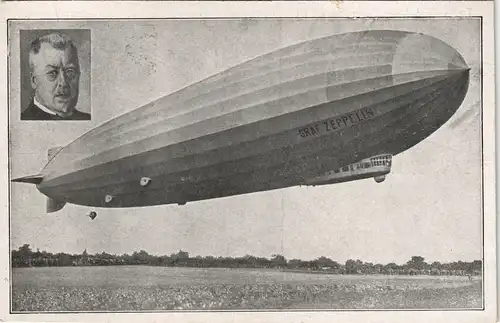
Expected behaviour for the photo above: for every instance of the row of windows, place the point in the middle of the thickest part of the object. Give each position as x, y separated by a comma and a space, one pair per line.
381, 160
385, 157
376, 161
381, 163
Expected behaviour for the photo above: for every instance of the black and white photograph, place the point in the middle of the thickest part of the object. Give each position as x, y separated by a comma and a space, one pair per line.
51, 63
256, 164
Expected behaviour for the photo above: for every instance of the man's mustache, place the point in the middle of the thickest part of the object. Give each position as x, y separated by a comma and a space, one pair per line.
63, 94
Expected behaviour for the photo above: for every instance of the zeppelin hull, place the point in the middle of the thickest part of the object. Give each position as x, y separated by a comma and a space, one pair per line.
268, 123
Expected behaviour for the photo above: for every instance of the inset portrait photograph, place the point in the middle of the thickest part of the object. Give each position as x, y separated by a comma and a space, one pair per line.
55, 74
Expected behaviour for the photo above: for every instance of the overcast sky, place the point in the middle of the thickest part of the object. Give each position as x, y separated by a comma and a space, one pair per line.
430, 204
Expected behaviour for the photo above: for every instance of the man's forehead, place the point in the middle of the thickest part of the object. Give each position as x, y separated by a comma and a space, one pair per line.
49, 55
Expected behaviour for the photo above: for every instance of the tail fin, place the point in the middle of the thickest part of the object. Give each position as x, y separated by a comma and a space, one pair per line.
52, 152
54, 205
37, 179
33, 179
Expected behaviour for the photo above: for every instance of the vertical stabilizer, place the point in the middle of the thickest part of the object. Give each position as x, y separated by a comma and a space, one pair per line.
54, 205
52, 152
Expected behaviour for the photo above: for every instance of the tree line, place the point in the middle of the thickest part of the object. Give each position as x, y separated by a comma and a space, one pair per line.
25, 257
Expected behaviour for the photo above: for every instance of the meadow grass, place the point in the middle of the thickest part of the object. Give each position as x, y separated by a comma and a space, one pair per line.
158, 288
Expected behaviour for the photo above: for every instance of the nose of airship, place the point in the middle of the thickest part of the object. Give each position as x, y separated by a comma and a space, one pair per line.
443, 78
419, 52
425, 55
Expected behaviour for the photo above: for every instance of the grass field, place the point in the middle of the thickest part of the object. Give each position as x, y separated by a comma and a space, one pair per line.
134, 288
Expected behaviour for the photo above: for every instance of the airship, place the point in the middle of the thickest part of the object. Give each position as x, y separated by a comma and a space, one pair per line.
320, 112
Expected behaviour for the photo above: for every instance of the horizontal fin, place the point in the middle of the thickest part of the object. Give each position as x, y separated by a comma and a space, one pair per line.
54, 205
33, 179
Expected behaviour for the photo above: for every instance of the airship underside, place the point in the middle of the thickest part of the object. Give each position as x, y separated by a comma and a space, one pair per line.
282, 119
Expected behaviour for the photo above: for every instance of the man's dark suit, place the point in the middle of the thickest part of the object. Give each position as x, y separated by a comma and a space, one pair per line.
35, 113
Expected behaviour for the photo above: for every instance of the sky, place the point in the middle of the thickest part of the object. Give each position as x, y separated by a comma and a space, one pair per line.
429, 205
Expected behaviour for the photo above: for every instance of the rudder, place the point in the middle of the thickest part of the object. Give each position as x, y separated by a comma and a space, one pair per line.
54, 205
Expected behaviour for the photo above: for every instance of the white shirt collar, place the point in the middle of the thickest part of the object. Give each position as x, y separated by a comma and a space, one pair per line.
43, 108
